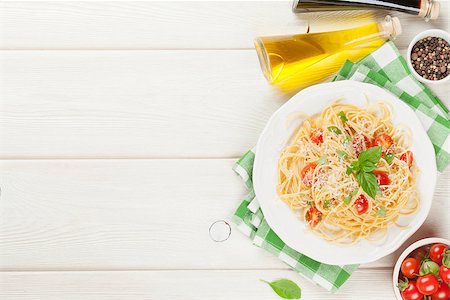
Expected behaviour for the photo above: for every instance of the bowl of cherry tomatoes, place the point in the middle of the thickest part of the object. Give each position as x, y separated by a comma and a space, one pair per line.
422, 271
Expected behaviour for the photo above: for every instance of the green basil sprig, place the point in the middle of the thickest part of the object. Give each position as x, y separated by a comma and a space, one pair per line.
363, 168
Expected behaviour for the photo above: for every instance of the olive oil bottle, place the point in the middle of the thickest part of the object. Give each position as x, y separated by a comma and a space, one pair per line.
297, 61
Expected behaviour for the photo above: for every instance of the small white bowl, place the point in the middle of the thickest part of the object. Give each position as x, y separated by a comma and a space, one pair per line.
414, 246
434, 33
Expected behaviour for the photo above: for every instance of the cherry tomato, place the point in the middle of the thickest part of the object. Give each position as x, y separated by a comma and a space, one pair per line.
361, 143
313, 216
427, 284
437, 252
317, 136
385, 141
408, 158
443, 293
444, 273
410, 267
361, 204
411, 292
382, 177
307, 174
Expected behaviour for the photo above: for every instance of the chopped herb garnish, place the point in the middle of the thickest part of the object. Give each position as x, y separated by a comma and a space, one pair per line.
350, 197
344, 119
342, 154
347, 140
323, 160
381, 211
334, 129
389, 158
327, 204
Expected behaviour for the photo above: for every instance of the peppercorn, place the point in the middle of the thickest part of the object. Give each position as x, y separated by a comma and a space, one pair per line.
430, 58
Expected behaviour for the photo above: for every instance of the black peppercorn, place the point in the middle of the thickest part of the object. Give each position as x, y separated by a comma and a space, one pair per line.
430, 58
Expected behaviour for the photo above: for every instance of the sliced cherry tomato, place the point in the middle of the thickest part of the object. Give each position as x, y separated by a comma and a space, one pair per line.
361, 204
409, 291
437, 252
408, 158
361, 143
427, 284
317, 136
313, 216
444, 273
443, 293
382, 178
307, 174
410, 267
385, 141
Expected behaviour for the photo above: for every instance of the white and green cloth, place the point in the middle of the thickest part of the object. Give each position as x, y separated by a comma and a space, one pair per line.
386, 68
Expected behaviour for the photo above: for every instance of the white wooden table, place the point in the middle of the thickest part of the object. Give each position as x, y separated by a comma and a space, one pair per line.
119, 125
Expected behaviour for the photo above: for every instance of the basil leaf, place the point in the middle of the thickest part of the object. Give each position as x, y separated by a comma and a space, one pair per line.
334, 129
372, 154
344, 119
285, 288
381, 211
327, 204
368, 166
342, 154
349, 198
368, 182
323, 160
349, 170
389, 158
355, 165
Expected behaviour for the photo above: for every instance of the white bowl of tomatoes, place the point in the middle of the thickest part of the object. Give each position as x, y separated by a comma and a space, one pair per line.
422, 272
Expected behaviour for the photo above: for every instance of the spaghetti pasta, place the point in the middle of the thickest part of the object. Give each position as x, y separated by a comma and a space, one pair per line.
314, 179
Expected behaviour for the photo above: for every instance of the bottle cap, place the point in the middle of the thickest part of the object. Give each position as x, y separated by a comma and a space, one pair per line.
429, 9
396, 26
434, 12
391, 26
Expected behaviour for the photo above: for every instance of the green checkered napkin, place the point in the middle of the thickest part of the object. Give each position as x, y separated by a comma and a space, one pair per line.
250, 220
384, 67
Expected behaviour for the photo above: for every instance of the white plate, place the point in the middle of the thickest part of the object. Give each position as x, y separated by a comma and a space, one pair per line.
287, 225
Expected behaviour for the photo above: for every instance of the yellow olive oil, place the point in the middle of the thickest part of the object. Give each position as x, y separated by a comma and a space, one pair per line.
297, 61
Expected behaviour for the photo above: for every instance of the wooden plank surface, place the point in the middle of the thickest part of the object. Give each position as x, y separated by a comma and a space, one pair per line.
174, 25
135, 104
136, 215
189, 284
119, 124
